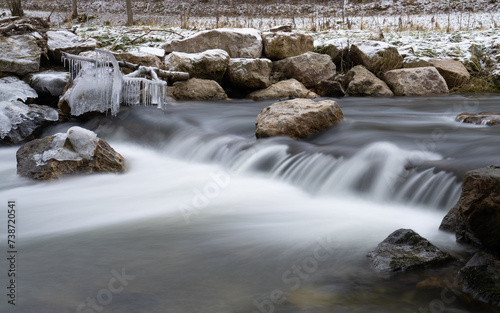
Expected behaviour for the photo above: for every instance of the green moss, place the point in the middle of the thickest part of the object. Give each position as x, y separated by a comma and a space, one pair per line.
478, 280
404, 262
481, 83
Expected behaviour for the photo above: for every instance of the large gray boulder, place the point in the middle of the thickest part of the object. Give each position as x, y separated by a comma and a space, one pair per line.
281, 45
297, 118
283, 89
454, 72
20, 122
309, 68
198, 89
19, 54
12, 88
77, 151
405, 250
418, 81
237, 42
377, 56
362, 82
249, 73
210, 64
65, 41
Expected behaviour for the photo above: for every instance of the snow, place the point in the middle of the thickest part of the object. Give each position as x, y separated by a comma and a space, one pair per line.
372, 48
154, 51
50, 82
63, 40
12, 113
12, 88
209, 55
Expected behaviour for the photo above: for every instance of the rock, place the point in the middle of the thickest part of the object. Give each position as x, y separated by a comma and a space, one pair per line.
138, 57
454, 72
20, 122
19, 54
452, 220
12, 88
210, 64
283, 89
281, 28
65, 41
377, 56
418, 81
481, 118
78, 151
154, 51
412, 62
480, 278
249, 73
337, 49
198, 89
362, 82
405, 250
330, 88
309, 68
281, 45
237, 42
49, 85
297, 118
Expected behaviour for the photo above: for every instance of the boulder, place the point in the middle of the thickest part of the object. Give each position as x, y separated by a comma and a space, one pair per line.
476, 216
297, 118
78, 151
337, 49
139, 57
12, 88
19, 54
249, 73
405, 250
281, 45
20, 122
481, 118
454, 72
49, 85
198, 89
377, 56
362, 82
237, 42
281, 28
412, 62
330, 88
65, 41
210, 64
283, 89
419, 81
309, 68
480, 278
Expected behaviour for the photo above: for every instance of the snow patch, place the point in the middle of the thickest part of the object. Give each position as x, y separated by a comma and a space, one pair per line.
12, 89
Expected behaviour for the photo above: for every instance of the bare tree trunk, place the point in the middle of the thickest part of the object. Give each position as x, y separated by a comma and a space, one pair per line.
15, 7
74, 9
130, 17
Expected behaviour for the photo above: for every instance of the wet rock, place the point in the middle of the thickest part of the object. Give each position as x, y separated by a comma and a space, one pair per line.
309, 68
12, 89
19, 54
198, 89
362, 82
297, 118
237, 42
65, 41
330, 88
405, 250
210, 64
20, 122
377, 56
480, 278
337, 49
77, 151
283, 89
281, 45
418, 81
482, 118
49, 85
454, 72
249, 73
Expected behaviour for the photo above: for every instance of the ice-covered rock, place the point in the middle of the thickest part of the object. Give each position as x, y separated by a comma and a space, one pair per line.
198, 89
249, 73
297, 118
417, 81
77, 151
283, 89
362, 82
65, 41
12, 88
281, 45
19, 54
49, 83
237, 42
210, 64
454, 72
309, 68
377, 56
20, 122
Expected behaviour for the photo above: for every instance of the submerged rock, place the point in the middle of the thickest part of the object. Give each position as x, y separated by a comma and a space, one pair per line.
14, 89
210, 64
283, 89
19, 54
281, 45
297, 118
481, 118
377, 56
405, 250
74, 152
480, 278
309, 68
362, 82
417, 81
198, 89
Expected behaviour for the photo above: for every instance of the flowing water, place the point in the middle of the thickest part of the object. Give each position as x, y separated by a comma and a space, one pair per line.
209, 219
